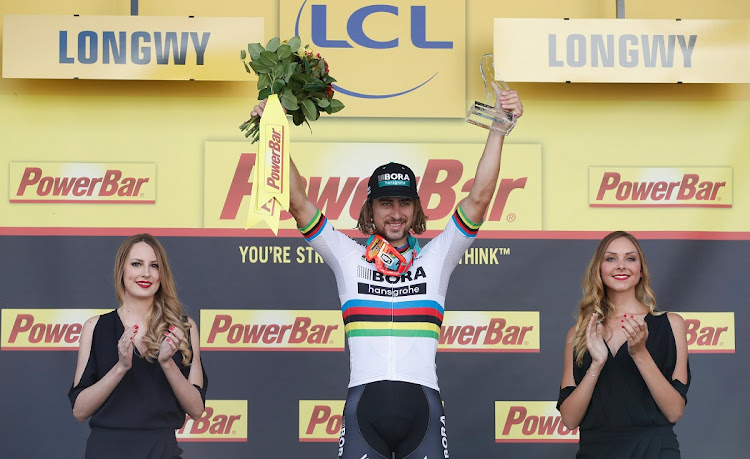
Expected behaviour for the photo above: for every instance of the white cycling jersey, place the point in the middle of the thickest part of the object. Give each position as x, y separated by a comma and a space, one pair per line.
392, 323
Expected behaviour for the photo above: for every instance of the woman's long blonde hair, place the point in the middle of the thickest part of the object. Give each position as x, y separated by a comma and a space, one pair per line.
595, 298
166, 309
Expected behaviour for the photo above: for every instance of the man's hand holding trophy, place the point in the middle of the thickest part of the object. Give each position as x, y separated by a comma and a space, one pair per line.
487, 115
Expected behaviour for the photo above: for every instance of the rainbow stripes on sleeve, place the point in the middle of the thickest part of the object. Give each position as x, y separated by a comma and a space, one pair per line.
469, 228
316, 225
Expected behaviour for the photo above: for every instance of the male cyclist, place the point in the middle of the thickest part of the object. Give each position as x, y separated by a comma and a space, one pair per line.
392, 294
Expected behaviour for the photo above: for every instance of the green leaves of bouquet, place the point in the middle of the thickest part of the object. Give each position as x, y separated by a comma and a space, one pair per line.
298, 76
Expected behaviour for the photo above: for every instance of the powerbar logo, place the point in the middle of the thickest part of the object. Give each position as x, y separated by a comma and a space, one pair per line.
490, 331
660, 187
223, 420
92, 183
531, 422
320, 420
709, 332
271, 330
340, 195
44, 329
274, 158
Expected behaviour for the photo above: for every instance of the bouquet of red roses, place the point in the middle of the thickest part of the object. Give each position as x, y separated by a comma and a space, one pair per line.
297, 75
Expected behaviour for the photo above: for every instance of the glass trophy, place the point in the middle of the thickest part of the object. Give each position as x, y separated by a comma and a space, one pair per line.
485, 115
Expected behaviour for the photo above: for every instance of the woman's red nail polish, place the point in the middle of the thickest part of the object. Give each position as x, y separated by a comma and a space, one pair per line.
625, 315
171, 327
168, 340
166, 333
622, 320
631, 317
131, 338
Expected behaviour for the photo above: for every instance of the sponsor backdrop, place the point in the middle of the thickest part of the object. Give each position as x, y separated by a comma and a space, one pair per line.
89, 158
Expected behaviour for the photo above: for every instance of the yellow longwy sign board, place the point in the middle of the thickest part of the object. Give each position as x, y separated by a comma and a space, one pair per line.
623, 50
127, 47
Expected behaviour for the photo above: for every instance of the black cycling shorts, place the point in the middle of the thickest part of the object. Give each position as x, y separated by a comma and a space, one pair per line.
393, 419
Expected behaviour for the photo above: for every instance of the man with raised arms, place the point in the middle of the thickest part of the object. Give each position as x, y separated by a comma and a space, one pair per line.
392, 295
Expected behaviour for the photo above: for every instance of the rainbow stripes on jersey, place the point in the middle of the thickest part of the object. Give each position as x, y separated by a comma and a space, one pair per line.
421, 318
469, 228
316, 225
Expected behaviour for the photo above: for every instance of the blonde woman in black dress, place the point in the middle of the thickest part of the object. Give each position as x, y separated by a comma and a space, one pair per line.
139, 369
626, 374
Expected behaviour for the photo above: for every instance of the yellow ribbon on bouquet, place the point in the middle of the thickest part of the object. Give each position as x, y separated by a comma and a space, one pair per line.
271, 173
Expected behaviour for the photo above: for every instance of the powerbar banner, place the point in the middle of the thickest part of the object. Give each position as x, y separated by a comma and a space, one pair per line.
660, 187
82, 183
320, 420
696, 193
44, 329
710, 332
127, 47
271, 182
222, 421
338, 188
623, 50
271, 330
272, 340
531, 422
490, 331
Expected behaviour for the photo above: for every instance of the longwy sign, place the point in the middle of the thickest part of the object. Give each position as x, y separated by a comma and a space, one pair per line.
127, 47
622, 50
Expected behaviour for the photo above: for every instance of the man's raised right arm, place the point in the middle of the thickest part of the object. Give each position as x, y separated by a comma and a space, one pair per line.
302, 209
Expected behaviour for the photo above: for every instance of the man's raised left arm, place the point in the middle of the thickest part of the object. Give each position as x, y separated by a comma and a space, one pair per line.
475, 204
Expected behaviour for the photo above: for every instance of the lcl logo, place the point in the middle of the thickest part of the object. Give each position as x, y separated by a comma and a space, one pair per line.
417, 15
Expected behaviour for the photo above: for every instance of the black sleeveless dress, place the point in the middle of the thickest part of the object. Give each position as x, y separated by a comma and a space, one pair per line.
622, 420
139, 419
